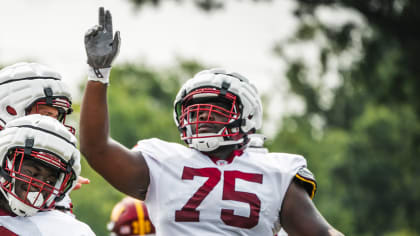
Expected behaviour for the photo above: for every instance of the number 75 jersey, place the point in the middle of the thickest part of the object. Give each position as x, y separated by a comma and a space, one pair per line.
191, 194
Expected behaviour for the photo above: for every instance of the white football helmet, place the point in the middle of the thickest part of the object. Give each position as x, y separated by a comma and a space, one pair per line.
40, 140
216, 91
24, 85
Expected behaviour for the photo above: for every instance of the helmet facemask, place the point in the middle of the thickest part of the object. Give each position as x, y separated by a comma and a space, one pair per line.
209, 118
26, 189
242, 110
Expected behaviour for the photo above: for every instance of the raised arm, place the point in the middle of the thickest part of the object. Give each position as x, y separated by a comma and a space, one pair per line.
125, 170
299, 216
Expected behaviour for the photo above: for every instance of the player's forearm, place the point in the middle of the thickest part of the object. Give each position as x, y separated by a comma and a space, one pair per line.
94, 125
101, 50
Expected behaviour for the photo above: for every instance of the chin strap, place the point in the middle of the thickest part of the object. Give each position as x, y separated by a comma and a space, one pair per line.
206, 144
213, 143
236, 124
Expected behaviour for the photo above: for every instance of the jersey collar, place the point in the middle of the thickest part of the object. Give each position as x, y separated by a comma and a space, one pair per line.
228, 160
5, 213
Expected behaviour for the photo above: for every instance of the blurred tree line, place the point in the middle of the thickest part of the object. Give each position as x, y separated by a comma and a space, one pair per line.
362, 141
361, 136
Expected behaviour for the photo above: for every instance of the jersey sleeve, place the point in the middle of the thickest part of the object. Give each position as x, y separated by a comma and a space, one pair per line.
284, 167
157, 153
306, 179
156, 148
296, 165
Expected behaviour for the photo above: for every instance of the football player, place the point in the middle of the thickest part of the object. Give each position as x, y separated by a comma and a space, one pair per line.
39, 164
130, 217
33, 88
215, 186
29, 88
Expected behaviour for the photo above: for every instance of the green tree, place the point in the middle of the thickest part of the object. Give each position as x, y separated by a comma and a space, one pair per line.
374, 110
381, 172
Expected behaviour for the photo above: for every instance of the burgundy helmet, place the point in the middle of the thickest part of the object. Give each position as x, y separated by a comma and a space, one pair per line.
130, 217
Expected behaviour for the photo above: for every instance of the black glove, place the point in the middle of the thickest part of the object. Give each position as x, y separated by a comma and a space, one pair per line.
101, 48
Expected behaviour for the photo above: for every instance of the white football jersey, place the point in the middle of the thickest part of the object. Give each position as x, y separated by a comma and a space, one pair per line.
49, 223
190, 194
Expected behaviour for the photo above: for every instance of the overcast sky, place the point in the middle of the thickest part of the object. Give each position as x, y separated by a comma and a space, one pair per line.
240, 37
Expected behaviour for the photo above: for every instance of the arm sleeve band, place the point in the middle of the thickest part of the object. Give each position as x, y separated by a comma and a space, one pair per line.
101, 75
306, 179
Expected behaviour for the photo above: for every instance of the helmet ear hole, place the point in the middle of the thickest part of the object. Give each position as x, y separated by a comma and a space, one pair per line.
11, 110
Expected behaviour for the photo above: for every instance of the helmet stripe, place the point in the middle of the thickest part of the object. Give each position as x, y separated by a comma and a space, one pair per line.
140, 217
28, 78
46, 131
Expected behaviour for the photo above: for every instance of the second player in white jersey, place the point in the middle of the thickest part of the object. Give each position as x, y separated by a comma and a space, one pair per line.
51, 223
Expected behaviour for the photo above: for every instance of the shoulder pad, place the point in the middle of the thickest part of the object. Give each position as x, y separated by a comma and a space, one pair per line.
305, 178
